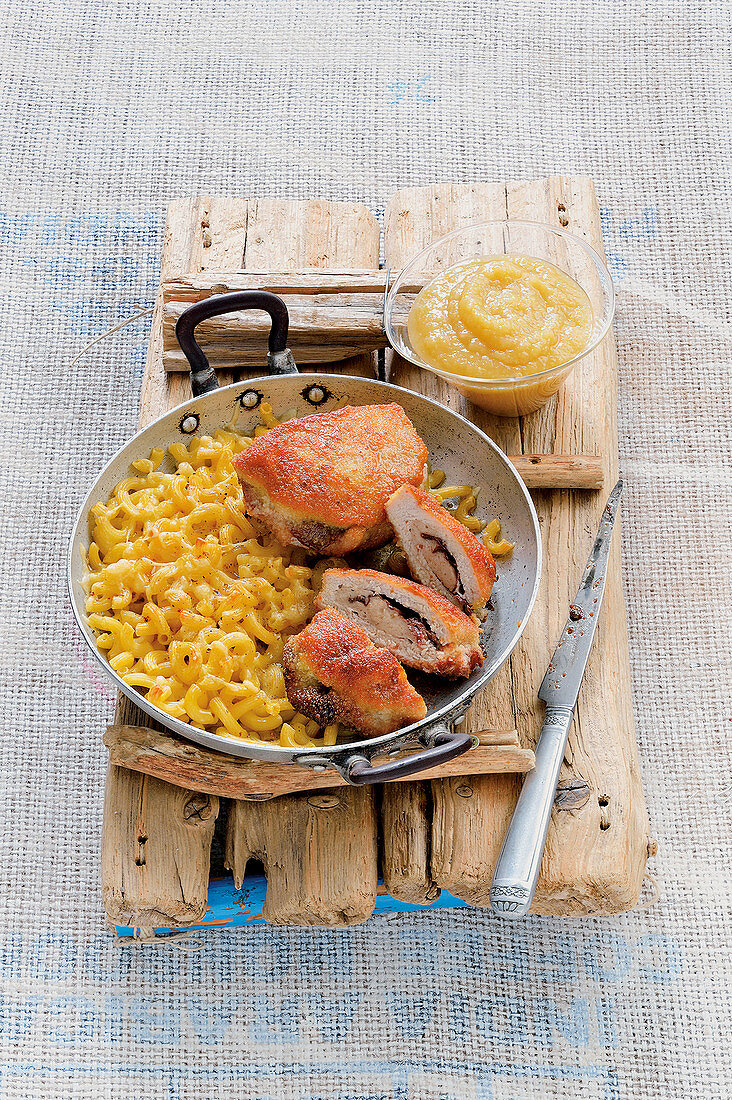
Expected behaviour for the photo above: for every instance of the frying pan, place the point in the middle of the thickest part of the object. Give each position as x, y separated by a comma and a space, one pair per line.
456, 446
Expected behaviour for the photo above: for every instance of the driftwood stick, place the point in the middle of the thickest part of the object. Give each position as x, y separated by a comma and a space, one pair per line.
194, 286
141, 749
253, 357
333, 316
560, 471
312, 323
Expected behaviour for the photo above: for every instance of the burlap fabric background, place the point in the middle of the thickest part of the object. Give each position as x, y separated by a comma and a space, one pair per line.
108, 112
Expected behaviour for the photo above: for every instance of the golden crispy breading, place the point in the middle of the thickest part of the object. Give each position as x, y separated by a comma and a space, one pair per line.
334, 673
322, 481
418, 625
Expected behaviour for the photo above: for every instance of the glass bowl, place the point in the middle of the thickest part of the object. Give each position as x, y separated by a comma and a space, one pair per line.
513, 396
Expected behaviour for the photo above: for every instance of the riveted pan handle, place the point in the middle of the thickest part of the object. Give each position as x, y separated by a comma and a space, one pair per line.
446, 745
279, 358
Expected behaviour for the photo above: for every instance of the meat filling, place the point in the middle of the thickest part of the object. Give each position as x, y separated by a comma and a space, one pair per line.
444, 566
418, 628
316, 537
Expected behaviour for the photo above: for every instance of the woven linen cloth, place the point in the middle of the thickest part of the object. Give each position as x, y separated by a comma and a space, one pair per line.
111, 110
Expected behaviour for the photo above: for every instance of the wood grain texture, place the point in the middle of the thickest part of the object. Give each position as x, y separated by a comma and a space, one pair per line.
405, 863
414, 218
597, 846
320, 859
160, 754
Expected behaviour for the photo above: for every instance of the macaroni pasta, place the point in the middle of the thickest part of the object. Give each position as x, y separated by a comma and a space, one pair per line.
190, 604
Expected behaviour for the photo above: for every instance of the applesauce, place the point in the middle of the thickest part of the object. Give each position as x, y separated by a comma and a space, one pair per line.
502, 317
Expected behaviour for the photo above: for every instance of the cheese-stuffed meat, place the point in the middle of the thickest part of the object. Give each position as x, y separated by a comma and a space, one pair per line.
418, 625
322, 481
441, 551
334, 673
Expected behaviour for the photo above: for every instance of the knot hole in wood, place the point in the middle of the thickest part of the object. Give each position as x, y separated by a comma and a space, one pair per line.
324, 801
197, 808
571, 794
603, 802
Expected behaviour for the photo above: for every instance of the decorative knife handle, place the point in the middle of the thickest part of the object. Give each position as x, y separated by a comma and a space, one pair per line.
517, 869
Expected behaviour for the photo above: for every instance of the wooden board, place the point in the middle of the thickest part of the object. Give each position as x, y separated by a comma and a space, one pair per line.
598, 837
445, 834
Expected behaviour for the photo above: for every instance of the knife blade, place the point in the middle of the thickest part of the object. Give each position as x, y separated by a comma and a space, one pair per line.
517, 869
561, 684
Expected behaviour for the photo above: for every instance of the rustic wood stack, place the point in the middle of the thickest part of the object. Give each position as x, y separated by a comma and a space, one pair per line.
321, 851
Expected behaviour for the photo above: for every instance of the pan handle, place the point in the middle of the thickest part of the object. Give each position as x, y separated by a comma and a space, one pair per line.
279, 358
445, 745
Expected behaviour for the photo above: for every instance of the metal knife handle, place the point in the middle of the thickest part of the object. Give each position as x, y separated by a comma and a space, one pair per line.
517, 869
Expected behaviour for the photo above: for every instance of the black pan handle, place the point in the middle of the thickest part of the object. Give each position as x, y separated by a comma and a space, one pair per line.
279, 358
446, 746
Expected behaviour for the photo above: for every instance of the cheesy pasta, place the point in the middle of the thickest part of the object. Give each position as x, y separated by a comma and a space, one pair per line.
190, 604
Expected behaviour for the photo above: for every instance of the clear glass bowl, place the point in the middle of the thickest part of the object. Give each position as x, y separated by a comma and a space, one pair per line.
503, 396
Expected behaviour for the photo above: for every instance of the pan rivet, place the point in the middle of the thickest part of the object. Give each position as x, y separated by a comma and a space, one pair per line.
319, 768
315, 395
250, 399
189, 423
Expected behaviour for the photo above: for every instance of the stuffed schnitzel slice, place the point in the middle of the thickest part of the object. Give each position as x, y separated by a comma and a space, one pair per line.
322, 481
334, 673
440, 550
418, 625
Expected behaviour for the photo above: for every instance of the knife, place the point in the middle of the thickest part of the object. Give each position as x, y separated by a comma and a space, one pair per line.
517, 869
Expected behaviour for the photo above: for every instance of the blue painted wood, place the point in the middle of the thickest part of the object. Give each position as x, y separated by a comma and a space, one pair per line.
231, 908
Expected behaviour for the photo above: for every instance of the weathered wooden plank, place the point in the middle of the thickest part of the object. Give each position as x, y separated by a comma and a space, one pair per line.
405, 813
158, 753
415, 217
319, 853
156, 847
596, 855
585, 869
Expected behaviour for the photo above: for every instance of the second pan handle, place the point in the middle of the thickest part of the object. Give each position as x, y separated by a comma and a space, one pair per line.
279, 358
446, 747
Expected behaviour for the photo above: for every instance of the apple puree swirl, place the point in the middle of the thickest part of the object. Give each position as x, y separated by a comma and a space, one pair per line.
500, 317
